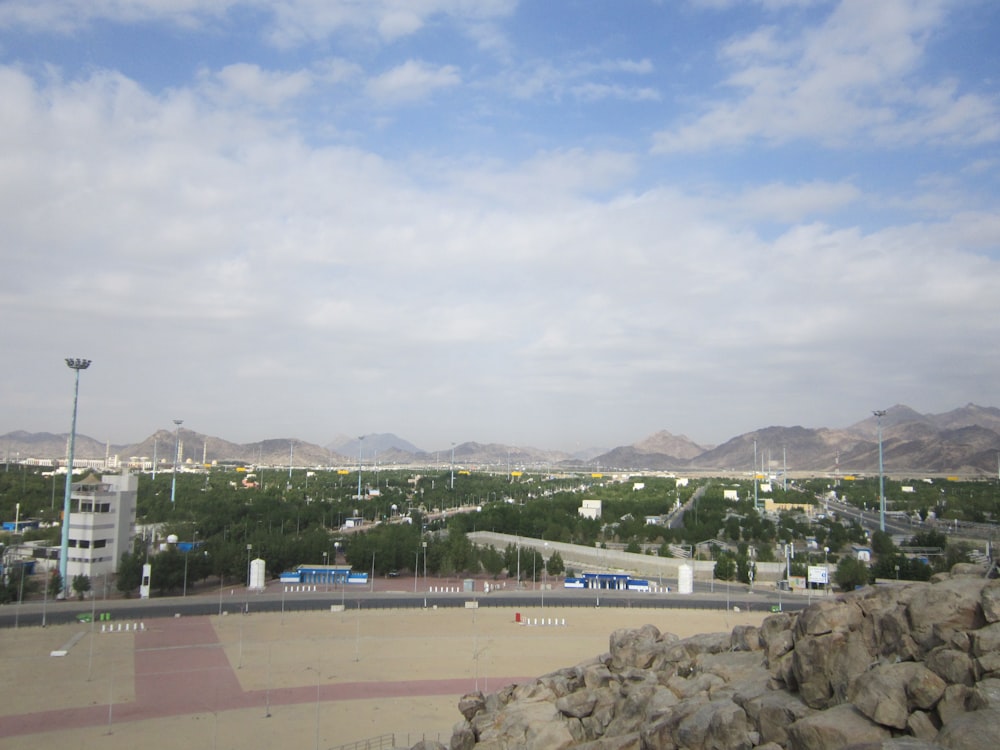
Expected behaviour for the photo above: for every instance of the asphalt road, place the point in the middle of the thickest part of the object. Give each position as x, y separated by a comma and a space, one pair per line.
134, 610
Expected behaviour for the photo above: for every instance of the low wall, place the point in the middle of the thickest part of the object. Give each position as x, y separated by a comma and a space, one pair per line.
583, 558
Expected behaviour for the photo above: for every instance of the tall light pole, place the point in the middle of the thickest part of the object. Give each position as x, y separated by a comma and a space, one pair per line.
177, 445
73, 364
360, 443
879, 413
452, 466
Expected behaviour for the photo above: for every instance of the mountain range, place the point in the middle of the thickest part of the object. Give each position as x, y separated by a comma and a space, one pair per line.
964, 441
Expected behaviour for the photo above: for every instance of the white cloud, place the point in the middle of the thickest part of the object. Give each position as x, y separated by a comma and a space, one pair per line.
246, 82
412, 81
857, 75
292, 22
794, 203
586, 81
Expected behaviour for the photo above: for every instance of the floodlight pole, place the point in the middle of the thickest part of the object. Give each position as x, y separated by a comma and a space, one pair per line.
360, 442
177, 445
879, 413
77, 365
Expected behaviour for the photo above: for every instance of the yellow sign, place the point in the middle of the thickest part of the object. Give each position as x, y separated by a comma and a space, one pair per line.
516, 473
343, 471
849, 478
466, 472
597, 476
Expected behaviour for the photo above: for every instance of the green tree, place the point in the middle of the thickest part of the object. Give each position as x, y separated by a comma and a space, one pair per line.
55, 583
725, 567
81, 585
129, 573
554, 565
851, 573
882, 544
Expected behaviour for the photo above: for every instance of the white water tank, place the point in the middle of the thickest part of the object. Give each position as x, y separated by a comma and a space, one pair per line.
685, 579
257, 574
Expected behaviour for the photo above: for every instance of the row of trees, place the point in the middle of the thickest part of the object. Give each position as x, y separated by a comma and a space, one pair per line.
295, 518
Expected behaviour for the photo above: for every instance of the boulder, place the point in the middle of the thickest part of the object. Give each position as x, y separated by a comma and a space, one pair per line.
958, 700
719, 725
773, 712
745, 638
470, 704
989, 600
624, 742
972, 731
952, 666
888, 693
835, 729
578, 704
936, 611
633, 647
824, 666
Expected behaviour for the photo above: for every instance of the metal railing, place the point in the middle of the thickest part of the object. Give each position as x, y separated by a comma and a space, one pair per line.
382, 742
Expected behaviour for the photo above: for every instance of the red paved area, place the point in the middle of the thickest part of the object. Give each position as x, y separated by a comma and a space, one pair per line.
181, 668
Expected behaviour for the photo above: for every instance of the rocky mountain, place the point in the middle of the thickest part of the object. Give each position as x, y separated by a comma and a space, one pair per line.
962, 441
913, 666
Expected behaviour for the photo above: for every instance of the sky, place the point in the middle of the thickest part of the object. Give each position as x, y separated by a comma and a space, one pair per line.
562, 224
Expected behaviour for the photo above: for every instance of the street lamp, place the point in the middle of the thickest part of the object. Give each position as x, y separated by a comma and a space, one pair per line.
826, 564
879, 413
177, 445
360, 440
452, 466
77, 365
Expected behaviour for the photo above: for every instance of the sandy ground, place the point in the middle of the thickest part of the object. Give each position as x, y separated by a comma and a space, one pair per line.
310, 680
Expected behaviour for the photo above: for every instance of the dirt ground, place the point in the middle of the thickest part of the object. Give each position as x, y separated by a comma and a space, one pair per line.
308, 680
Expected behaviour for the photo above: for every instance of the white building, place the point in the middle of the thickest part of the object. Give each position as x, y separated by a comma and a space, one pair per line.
101, 524
590, 509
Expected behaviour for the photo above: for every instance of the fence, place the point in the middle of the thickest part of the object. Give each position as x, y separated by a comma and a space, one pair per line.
383, 742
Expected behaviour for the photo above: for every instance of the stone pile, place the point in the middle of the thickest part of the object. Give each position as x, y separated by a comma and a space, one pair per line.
913, 666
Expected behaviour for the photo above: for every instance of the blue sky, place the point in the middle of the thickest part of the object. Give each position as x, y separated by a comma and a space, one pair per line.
561, 224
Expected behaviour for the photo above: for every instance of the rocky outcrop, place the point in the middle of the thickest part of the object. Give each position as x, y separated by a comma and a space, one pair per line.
912, 667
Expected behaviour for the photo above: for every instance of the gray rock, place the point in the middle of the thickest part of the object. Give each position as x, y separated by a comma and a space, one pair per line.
888, 693
824, 666
986, 640
958, 700
936, 611
633, 647
921, 725
624, 742
989, 692
745, 638
972, 731
462, 736
773, 712
470, 704
578, 704
989, 600
719, 725
825, 617
429, 745
952, 665
835, 729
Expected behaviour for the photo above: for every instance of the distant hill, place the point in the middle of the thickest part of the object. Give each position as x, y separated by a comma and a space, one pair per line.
962, 441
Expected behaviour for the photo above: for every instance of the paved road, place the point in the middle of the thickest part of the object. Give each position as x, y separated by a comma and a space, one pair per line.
275, 600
